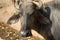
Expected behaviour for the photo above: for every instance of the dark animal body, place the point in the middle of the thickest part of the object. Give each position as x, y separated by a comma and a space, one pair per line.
38, 18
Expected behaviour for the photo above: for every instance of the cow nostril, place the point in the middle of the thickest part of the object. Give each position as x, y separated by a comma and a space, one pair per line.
25, 33
22, 34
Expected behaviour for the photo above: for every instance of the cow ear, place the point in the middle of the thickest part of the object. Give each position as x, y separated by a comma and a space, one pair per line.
38, 3
14, 18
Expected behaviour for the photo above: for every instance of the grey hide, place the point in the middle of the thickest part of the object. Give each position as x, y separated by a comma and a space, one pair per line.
55, 18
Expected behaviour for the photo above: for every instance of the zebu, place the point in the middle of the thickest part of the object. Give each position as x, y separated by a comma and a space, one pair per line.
26, 7
46, 25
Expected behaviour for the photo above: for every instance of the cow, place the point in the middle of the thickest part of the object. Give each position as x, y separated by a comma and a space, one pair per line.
44, 18
26, 7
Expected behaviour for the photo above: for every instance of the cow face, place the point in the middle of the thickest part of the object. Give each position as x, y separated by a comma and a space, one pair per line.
26, 7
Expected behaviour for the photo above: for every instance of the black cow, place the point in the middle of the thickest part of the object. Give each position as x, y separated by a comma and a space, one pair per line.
26, 7
42, 18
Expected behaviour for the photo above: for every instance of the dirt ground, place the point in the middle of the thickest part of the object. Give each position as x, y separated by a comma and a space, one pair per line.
8, 33
7, 9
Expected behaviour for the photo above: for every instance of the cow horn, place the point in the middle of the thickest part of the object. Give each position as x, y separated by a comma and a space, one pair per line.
38, 3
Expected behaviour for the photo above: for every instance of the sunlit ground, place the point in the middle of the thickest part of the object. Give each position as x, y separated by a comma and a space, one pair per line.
8, 33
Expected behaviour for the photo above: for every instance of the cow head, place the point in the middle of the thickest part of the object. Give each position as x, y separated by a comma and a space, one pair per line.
26, 7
